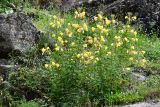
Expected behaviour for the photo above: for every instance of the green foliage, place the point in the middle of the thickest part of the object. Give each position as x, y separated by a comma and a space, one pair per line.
88, 64
8, 5
28, 104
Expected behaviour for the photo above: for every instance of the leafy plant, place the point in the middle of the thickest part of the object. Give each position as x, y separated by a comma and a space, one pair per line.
8, 6
88, 64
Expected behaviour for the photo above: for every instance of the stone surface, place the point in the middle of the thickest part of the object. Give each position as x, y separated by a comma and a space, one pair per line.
5, 68
17, 33
147, 11
144, 104
138, 76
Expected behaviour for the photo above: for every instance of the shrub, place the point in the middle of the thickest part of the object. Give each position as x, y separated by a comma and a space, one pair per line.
89, 62
9, 5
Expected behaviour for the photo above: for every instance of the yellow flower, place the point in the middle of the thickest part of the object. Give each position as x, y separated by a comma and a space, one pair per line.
131, 58
126, 39
135, 33
134, 39
59, 38
76, 26
53, 63
118, 44
109, 53
105, 30
90, 41
51, 23
91, 57
61, 33
79, 30
105, 47
126, 17
70, 34
95, 39
93, 29
62, 20
95, 18
128, 26
67, 30
78, 55
86, 54
134, 17
113, 21
132, 47
69, 24
83, 14
97, 59
57, 65
47, 48
57, 48
85, 45
96, 52
142, 52
76, 12
66, 41
100, 27
58, 23
46, 66
53, 35
132, 31
100, 17
108, 22
43, 50
143, 62
127, 69
73, 44
54, 17
117, 38
112, 44
85, 27
121, 31
102, 39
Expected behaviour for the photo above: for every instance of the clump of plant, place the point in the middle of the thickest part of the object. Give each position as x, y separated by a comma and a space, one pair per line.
8, 6
101, 53
89, 61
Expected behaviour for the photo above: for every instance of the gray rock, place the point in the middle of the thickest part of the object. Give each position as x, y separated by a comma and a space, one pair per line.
147, 11
143, 104
5, 69
138, 76
17, 34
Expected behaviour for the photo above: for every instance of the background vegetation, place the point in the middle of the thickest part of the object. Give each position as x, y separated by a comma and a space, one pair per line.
83, 63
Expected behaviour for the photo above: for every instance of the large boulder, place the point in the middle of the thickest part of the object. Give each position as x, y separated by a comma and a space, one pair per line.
147, 11
17, 33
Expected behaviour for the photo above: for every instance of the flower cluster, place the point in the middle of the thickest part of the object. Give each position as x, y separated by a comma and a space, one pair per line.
45, 50
80, 14
51, 65
89, 43
57, 22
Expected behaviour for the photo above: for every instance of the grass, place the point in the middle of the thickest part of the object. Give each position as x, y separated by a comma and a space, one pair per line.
62, 79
